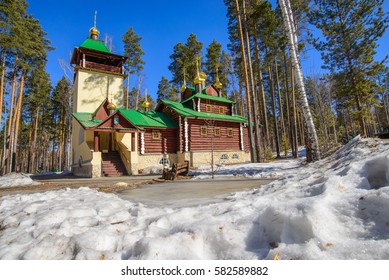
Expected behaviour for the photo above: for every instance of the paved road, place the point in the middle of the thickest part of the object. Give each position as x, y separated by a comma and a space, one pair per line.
56, 182
185, 193
144, 189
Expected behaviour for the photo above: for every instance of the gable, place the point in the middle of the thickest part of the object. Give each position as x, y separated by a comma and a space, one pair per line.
211, 91
186, 94
102, 112
117, 121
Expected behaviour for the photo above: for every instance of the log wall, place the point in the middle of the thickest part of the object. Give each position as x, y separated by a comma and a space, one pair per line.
198, 142
166, 144
215, 106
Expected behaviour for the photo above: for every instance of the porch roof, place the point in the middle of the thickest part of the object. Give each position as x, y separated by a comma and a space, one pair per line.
150, 119
138, 118
86, 119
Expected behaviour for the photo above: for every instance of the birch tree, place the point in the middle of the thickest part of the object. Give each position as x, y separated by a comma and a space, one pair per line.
290, 29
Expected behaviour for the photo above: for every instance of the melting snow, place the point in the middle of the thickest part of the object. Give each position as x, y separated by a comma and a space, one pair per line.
333, 209
16, 180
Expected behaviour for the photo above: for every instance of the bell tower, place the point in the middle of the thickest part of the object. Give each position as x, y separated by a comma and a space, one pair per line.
99, 74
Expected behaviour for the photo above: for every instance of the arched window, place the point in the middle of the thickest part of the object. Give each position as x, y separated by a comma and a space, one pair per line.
235, 156
224, 157
164, 161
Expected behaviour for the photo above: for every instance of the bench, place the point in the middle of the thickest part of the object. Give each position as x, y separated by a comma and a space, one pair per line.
177, 169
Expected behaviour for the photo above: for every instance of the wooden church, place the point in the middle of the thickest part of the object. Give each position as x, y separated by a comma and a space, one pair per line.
109, 140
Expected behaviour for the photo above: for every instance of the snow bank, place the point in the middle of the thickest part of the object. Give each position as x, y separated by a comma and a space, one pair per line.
333, 209
271, 170
16, 180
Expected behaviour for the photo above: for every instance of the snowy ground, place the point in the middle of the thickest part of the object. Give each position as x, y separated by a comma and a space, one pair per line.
333, 209
16, 180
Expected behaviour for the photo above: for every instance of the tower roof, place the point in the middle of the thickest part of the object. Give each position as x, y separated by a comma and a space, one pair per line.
95, 45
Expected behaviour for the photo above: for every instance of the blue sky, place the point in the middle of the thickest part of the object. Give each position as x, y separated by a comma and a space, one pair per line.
161, 24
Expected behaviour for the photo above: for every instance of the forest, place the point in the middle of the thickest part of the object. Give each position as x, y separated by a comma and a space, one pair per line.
260, 71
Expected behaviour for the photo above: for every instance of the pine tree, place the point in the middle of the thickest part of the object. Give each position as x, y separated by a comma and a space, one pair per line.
134, 53
212, 62
38, 100
184, 60
351, 29
166, 91
23, 45
226, 72
11, 14
61, 97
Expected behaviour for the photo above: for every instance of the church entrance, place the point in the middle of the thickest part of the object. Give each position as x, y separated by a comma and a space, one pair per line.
107, 142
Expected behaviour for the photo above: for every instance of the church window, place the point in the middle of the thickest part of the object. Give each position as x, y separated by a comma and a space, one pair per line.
217, 131
203, 131
156, 135
235, 156
221, 110
230, 133
224, 157
208, 108
164, 161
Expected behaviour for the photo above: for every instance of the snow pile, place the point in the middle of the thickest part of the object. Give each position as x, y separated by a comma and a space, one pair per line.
334, 209
16, 180
274, 169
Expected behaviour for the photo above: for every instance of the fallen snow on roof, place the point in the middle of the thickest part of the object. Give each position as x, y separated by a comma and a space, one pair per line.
333, 209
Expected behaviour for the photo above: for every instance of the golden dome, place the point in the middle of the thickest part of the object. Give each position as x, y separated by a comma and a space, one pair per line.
94, 32
197, 80
218, 84
203, 76
146, 104
183, 88
111, 106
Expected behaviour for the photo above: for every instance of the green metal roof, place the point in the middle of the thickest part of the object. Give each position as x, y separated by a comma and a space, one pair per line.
86, 119
210, 97
188, 112
95, 45
150, 118
137, 117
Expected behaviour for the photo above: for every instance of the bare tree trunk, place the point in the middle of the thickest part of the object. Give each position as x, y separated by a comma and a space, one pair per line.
33, 144
384, 100
282, 121
61, 140
257, 144
140, 80
11, 123
301, 122
4, 147
262, 89
128, 87
2, 82
240, 100
29, 149
246, 76
293, 49
294, 121
273, 103
18, 115
288, 113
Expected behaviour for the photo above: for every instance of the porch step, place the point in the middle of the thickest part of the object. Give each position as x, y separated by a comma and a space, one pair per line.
112, 165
